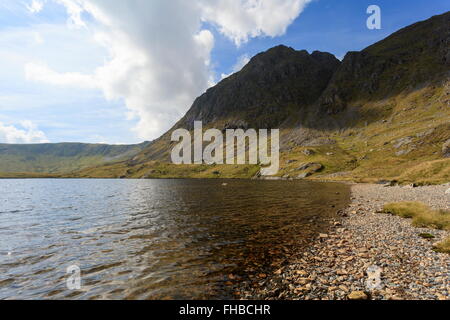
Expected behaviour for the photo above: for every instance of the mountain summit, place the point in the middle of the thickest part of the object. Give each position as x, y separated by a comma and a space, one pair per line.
382, 113
266, 91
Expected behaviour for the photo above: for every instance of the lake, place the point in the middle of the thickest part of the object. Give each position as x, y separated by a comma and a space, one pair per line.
154, 239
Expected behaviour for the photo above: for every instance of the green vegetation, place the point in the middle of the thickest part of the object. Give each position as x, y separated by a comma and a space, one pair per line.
27, 175
426, 235
443, 246
381, 114
53, 159
405, 145
360, 153
422, 215
162, 170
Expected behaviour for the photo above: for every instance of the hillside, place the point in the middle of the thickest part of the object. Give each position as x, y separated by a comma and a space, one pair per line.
61, 157
381, 114
266, 93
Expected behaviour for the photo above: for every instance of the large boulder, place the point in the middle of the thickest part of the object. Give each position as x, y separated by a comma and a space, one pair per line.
308, 152
402, 142
304, 175
312, 167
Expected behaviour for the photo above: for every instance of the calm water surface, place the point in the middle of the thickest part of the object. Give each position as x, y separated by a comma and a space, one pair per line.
152, 239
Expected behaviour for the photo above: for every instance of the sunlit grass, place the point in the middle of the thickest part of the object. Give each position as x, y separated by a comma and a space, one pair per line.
443, 246
422, 215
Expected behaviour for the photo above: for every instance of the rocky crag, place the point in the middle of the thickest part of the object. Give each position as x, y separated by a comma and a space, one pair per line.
381, 114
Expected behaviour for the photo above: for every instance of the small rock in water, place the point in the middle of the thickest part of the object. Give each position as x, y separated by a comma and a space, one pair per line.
448, 191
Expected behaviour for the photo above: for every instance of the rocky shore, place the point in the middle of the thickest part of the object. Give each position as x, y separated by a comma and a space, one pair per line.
367, 254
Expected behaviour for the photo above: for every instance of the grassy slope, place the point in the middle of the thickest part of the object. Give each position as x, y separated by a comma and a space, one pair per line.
397, 88
53, 159
27, 175
361, 153
424, 116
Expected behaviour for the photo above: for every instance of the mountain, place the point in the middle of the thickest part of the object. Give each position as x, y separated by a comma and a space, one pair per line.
60, 157
381, 114
266, 93
415, 55
272, 86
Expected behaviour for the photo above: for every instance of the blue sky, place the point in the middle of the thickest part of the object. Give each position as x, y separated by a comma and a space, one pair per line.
124, 71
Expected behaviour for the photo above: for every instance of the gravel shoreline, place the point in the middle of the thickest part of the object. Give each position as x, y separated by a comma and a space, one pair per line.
363, 244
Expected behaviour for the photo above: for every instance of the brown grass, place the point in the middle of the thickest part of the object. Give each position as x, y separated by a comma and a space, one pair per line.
422, 215
443, 246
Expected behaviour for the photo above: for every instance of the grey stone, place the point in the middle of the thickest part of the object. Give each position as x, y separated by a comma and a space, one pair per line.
446, 149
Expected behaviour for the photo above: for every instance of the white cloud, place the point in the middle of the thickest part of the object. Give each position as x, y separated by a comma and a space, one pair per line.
159, 54
240, 20
35, 6
28, 134
42, 73
75, 10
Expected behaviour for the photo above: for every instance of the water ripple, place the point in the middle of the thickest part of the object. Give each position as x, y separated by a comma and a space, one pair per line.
151, 239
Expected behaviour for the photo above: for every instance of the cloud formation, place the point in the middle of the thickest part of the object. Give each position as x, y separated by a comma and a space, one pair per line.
240, 20
160, 51
29, 134
35, 6
42, 73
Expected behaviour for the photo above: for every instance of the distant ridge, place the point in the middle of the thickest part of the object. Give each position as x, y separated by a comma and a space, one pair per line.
381, 114
61, 157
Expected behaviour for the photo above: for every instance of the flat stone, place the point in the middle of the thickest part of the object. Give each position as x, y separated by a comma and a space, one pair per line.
308, 152
304, 175
357, 295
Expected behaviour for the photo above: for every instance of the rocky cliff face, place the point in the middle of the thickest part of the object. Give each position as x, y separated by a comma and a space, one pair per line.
349, 116
269, 89
283, 87
269, 92
417, 54
383, 113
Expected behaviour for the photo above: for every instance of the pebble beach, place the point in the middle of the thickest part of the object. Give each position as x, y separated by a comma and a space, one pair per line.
366, 254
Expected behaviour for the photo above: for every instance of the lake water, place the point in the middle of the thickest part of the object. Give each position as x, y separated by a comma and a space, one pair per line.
153, 239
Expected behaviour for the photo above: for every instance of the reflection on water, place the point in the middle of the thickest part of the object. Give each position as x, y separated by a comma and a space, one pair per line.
152, 239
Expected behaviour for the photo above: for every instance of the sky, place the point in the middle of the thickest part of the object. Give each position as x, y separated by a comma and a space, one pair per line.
125, 71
